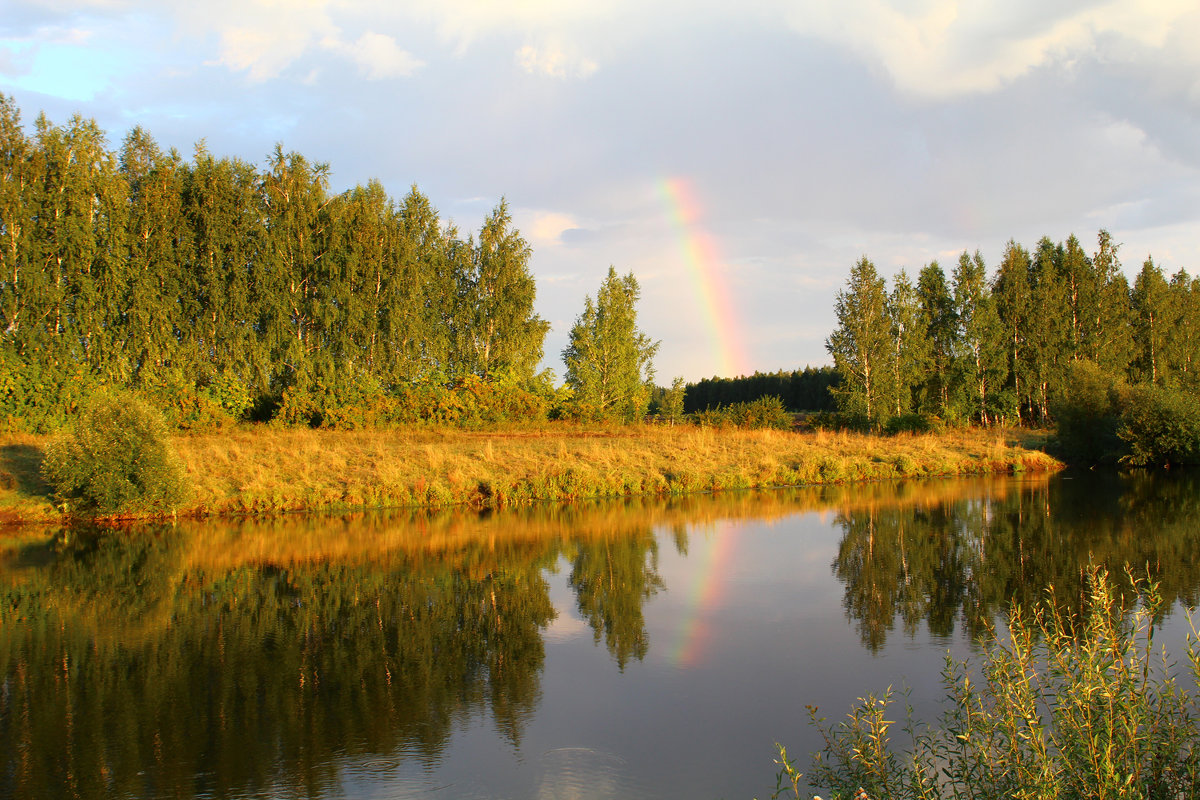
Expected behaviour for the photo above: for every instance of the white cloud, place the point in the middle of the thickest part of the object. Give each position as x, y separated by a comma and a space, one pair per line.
546, 228
554, 62
379, 56
264, 37
462, 22
946, 48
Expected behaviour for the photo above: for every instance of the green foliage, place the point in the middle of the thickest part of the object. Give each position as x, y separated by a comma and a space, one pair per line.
1002, 350
1160, 427
979, 355
765, 412
1089, 414
1062, 707
215, 286
347, 404
229, 393
39, 397
185, 406
497, 327
912, 423
117, 459
862, 346
609, 360
671, 406
802, 390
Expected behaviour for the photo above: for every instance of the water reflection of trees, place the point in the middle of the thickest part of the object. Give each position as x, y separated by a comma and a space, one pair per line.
953, 562
127, 676
212, 661
612, 578
253, 657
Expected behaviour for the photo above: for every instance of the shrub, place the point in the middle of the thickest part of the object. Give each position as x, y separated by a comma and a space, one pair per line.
765, 412
39, 399
116, 460
1089, 415
185, 406
1063, 708
912, 423
1160, 427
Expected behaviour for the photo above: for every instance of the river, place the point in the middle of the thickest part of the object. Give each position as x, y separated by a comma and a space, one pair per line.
641, 649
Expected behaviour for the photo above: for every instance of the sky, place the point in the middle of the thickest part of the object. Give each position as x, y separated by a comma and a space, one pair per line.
738, 159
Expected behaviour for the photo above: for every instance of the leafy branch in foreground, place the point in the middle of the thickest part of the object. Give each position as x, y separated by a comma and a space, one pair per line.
1059, 708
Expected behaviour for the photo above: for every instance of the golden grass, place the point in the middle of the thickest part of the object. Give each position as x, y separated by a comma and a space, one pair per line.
264, 469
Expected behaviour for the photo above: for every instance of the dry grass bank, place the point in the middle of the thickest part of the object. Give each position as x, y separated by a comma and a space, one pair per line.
263, 469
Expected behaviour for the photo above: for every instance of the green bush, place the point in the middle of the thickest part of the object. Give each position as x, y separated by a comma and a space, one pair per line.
1062, 708
115, 460
913, 423
1161, 427
765, 412
39, 399
185, 406
1088, 417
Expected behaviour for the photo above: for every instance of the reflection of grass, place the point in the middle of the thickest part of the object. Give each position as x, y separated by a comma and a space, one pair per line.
269, 469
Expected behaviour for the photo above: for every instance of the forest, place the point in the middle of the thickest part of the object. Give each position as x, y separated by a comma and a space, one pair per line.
221, 291
216, 287
1054, 336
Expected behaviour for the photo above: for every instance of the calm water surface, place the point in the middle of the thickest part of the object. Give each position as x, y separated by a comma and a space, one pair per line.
644, 649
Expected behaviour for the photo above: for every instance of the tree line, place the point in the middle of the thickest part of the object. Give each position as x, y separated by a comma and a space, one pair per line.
242, 286
799, 390
1003, 349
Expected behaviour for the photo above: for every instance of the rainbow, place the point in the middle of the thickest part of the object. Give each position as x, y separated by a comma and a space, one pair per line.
704, 595
704, 268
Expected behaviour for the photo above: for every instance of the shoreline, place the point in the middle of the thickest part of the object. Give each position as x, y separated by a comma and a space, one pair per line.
265, 470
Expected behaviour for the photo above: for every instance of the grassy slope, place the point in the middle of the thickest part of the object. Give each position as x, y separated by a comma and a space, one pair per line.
263, 469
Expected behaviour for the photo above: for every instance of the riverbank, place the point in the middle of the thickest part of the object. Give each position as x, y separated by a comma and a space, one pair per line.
264, 470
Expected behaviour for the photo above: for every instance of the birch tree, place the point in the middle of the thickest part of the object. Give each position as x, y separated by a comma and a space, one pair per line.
609, 360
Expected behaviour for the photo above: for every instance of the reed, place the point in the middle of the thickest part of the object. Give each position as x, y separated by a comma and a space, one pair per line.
1060, 707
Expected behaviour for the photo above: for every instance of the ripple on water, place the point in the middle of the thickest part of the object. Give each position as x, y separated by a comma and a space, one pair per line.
568, 773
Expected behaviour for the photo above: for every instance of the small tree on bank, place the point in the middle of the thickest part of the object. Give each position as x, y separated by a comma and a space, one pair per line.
609, 361
862, 346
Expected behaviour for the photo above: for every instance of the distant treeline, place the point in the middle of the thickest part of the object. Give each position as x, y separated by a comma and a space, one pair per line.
1007, 348
219, 286
800, 390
